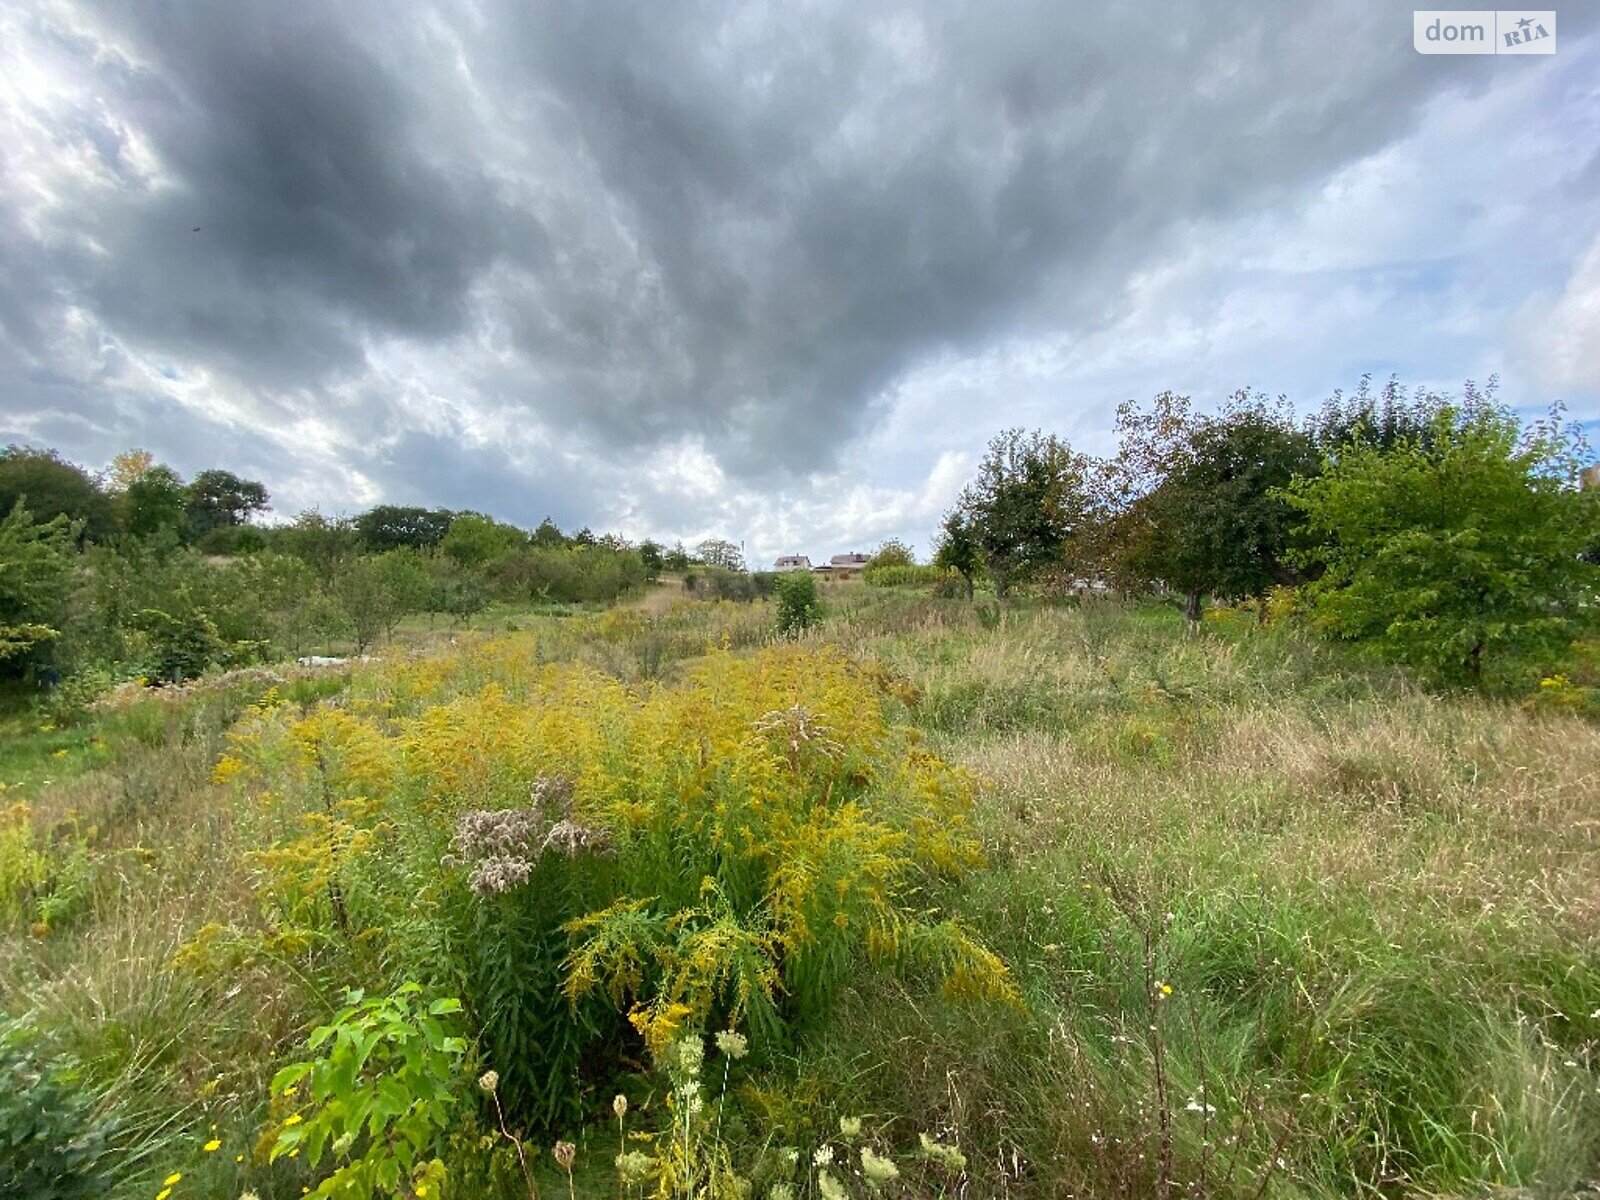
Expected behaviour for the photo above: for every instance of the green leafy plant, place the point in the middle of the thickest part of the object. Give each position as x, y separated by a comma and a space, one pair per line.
380, 1097
182, 643
904, 575
798, 606
1030, 499
52, 1146
35, 576
1455, 550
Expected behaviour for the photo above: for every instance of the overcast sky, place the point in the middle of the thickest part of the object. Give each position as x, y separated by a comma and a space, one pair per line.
773, 272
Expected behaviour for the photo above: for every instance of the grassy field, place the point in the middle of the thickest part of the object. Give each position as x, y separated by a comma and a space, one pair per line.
1279, 924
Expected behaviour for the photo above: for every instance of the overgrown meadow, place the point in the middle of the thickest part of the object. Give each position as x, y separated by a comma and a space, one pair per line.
933, 899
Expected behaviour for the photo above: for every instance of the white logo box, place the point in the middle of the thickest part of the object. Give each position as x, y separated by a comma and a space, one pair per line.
1483, 31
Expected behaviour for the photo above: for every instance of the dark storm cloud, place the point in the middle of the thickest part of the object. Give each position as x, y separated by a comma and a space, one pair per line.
310, 206
640, 221
819, 202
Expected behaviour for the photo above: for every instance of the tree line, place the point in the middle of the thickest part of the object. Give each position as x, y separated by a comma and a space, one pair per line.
137, 572
1440, 530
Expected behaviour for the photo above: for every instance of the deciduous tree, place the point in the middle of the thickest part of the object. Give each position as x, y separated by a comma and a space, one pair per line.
1029, 501
220, 499
35, 578
958, 548
716, 552
54, 487
1456, 551
1197, 505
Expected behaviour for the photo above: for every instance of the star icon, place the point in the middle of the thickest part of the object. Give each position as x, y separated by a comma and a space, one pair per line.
1524, 23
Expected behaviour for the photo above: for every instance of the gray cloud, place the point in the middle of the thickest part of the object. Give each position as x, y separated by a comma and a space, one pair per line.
624, 224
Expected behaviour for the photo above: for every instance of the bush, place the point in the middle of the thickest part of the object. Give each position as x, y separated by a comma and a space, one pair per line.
905, 575
182, 644
379, 1097
567, 575
718, 854
720, 583
232, 540
798, 606
1456, 552
52, 1147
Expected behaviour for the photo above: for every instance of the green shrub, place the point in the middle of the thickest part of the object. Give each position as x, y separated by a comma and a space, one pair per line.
798, 606
721, 583
379, 1099
1456, 553
181, 644
52, 1146
567, 574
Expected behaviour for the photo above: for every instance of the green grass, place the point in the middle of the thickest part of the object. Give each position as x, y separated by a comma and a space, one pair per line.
35, 752
1376, 909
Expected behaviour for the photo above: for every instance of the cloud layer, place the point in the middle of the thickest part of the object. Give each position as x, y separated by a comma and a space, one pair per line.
769, 271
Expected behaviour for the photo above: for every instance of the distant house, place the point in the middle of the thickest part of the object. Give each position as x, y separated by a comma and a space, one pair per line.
842, 566
792, 562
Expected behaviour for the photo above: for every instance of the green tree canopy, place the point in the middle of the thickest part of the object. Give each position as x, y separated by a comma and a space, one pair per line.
1384, 418
1456, 551
373, 592
958, 549
893, 553
1030, 500
35, 579
317, 540
155, 505
54, 487
718, 552
393, 527
474, 539
650, 553
549, 535
1198, 505
220, 499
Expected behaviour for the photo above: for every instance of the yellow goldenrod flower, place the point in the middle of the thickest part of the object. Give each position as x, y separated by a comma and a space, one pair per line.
163, 1194
171, 1180
291, 1119
213, 1144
